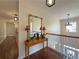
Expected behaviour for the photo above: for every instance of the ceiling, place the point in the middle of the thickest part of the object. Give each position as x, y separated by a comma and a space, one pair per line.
59, 10
8, 8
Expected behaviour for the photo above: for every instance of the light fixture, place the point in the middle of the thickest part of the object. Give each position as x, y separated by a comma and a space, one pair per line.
67, 22
50, 3
15, 17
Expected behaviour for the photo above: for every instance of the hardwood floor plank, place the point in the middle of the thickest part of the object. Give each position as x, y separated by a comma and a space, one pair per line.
49, 54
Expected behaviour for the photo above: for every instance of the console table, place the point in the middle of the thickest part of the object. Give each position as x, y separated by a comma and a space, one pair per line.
34, 42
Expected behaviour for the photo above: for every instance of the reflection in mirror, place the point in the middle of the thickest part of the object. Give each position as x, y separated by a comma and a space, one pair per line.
35, 23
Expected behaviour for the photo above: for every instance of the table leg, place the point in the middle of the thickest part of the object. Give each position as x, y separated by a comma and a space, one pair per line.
25, 52
28, 53
47, 43
43, 45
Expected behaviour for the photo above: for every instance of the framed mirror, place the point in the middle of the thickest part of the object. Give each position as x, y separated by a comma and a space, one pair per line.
35, 23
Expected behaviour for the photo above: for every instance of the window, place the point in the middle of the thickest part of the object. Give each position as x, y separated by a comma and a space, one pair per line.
71, 28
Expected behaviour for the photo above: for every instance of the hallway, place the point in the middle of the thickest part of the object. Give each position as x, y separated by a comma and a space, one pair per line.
9, 48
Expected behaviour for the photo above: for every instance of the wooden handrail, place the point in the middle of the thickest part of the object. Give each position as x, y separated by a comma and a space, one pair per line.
62, 35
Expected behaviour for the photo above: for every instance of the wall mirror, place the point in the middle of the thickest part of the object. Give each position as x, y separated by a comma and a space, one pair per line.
35, 22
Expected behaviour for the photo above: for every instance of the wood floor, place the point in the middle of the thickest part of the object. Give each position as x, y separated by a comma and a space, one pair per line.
9, 48
48, 54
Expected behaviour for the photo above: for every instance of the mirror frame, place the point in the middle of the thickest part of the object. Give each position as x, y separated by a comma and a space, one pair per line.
30, 15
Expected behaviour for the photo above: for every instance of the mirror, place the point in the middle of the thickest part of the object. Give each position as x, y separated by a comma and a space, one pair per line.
35, 23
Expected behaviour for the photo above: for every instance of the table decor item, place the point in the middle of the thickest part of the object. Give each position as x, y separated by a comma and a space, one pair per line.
27, 29
37, 36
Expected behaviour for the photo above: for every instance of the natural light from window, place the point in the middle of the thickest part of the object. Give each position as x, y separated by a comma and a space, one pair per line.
71, 28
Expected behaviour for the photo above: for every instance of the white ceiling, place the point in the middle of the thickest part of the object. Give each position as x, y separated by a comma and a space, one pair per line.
59, 10
8, 8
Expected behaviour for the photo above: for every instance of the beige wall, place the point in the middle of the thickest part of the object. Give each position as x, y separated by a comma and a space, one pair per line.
10, 29
52, 25
2, 29
7, 28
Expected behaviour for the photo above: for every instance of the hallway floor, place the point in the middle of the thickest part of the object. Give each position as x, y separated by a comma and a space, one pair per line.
46, 54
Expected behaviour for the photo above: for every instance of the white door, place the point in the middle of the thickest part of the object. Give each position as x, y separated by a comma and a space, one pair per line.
10, 29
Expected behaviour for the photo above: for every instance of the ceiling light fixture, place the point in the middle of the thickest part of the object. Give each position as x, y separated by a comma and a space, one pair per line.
50, 3
15, 17
68, 23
